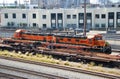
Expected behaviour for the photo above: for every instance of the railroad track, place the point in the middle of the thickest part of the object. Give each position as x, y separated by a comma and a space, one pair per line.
109, 76
7, 76
112, 60
116, 50
39, 74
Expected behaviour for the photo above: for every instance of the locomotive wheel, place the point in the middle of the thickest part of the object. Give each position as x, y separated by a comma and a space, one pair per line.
106, 50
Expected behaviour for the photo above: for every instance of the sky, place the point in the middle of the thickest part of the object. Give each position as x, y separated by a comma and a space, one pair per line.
21, 1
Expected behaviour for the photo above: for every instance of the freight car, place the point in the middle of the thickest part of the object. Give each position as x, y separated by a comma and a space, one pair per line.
95, 43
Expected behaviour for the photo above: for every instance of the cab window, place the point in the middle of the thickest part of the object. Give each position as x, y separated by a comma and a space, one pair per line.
98, 38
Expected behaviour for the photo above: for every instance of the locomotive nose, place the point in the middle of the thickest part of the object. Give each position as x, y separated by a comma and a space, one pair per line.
18, 33
107, 48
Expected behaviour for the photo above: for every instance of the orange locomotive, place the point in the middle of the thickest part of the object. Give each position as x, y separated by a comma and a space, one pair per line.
95, 43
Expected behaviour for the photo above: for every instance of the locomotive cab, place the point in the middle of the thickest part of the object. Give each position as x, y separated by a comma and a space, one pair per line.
18, 34
98, 40
102, 44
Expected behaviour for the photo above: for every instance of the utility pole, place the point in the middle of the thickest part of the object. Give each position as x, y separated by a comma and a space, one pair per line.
26, 3
38, 3
4, 4
19, 4
84, 18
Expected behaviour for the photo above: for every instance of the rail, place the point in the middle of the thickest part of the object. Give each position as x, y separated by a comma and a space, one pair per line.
109, 76
49, 76
8, 76
116, 50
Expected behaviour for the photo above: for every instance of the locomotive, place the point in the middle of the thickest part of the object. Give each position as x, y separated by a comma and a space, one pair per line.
95, 43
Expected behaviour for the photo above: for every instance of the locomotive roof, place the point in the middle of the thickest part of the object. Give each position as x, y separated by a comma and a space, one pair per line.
49, 34
31, 33
19, 30
71, 36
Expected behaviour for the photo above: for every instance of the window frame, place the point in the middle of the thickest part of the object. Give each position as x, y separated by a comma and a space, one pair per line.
14, 15
97, 16
5, 15
74, 16
23, 16
34, 24
34, 15
44, 16
68, 16
103, 16
44, 25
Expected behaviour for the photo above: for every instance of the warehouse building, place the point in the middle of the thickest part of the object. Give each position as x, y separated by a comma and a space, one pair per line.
97, 18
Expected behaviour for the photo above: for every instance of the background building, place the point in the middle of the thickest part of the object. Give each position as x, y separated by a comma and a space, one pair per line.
58, 3
97, 18
104, 2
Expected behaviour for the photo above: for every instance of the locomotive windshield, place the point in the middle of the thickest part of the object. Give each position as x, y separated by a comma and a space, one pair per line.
98, 38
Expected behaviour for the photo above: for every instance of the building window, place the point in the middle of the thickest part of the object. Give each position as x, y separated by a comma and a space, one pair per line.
34, 24
118, 19
60, 16
14, 15
53, 25
68, 25
103, 25
111, 15
97, 25
23, 16
81, 15
34, 16
118, 24
118, 5
60, 25
53, 16
103, 16
73, 26
97, 16
6, 15
68, 16
44, 26
111, 25
74, 17
113, 5
89, 15
43, 16
118, 15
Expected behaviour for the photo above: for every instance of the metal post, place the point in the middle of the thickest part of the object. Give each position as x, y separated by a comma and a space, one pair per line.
38, 3
4, 4
84, 18
19, 4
